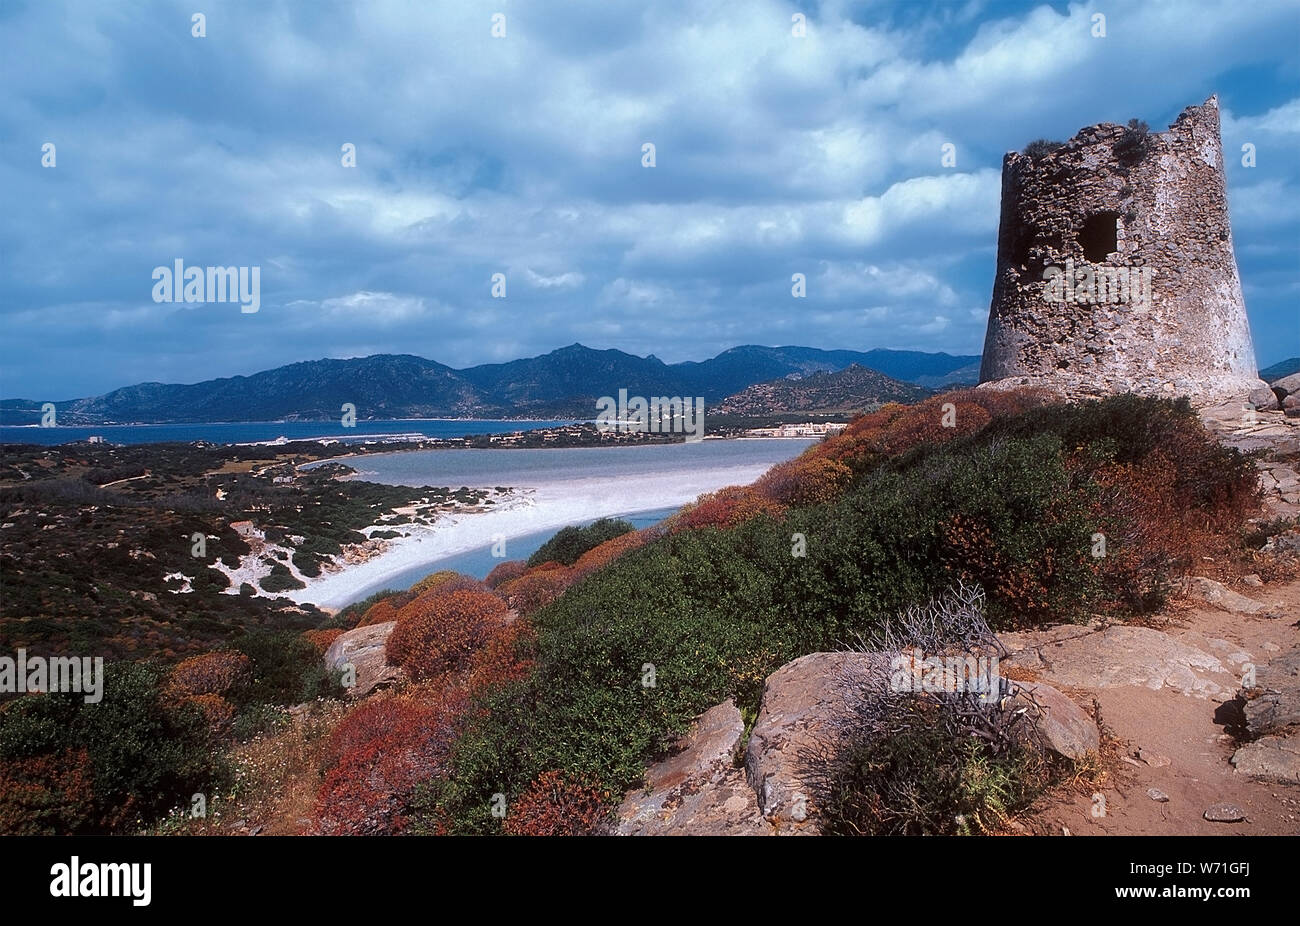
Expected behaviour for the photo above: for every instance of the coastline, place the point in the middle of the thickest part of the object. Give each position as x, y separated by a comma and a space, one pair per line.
545, 506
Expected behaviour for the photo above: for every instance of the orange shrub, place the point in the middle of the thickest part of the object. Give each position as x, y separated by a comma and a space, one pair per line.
208, 673
377, 756
725, 508
555, 805
504, 572
216, 710
809, 479
600, 556
438, 633
535, 590
321, 639
433, 580
381, 612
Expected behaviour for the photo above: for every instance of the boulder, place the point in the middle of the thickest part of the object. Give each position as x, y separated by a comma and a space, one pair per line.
364, 648
1275, 758
1263, 397
1066, 728
1219, 595
1290, 385
801, 702
698, 789
1273, 703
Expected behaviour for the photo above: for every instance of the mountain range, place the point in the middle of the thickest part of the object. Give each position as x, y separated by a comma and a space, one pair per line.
563, 383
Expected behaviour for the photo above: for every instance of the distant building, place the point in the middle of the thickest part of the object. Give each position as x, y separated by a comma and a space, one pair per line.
808, 429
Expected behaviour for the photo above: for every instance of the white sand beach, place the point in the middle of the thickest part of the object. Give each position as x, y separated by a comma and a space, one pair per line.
545, 506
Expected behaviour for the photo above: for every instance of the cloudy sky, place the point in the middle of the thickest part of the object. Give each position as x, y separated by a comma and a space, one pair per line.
522, 155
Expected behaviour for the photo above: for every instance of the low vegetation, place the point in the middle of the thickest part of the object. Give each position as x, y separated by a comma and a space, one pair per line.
536, 698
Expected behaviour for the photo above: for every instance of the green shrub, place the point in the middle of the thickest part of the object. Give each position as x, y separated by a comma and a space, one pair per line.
280, 579
144, 758
286, 669
571, 542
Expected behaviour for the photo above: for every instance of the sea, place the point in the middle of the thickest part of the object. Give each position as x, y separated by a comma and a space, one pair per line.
243, 432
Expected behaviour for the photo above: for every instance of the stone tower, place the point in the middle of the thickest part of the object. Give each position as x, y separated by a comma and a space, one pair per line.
1116, 271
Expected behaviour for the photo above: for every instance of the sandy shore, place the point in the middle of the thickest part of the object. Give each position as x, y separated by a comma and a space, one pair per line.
548, 506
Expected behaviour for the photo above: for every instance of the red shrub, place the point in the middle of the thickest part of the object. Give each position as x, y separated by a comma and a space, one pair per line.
438, 633
1148, 526
321, 639
503, 659
539, 587
378, 755
556, 805
208, 673
504, 572
46, 795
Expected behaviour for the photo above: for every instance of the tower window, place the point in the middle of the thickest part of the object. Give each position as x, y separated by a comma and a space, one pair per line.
1099, 236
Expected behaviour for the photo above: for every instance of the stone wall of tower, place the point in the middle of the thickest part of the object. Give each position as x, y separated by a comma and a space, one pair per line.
1117, 207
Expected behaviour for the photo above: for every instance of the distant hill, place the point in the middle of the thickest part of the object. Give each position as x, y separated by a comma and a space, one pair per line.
564, 383
852, 390
1279, 370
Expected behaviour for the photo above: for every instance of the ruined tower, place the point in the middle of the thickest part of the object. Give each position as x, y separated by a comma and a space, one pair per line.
1116, 271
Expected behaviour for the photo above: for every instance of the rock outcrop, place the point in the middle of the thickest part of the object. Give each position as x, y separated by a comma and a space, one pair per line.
801, 702
699, 789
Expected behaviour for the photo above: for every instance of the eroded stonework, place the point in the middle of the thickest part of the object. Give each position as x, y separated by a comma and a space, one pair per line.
1116, 271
